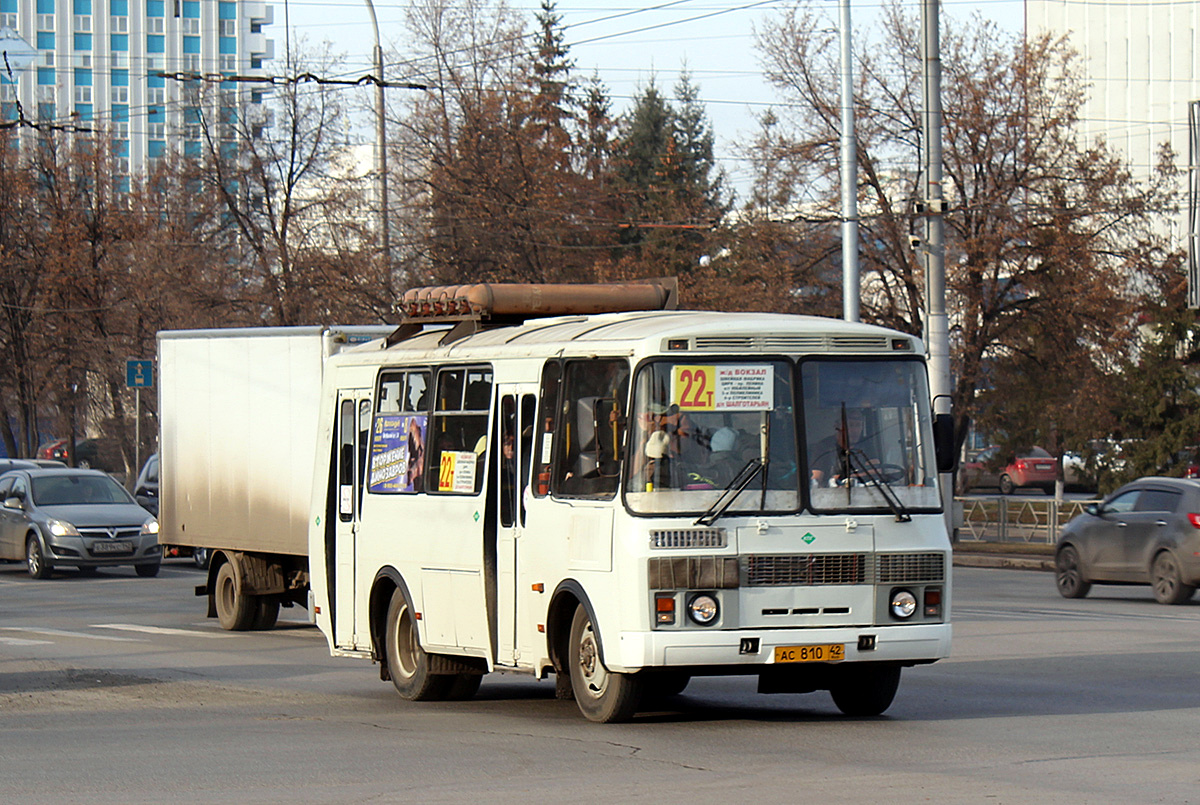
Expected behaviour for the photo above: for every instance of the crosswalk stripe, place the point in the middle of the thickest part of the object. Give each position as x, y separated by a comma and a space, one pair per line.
159, 630
67, 633
21, 641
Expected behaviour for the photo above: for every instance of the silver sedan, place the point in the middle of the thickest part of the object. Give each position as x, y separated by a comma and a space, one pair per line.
79, 518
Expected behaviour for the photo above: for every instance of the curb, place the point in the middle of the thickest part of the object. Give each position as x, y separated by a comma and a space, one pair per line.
1005, 562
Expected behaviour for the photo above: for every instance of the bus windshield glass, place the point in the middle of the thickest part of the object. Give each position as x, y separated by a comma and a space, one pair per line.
695, 428
867, 435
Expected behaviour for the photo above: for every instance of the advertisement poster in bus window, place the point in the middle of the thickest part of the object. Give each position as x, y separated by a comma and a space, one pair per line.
723, 387
397, 453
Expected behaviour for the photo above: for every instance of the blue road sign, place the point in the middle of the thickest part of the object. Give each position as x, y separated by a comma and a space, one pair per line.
139, 374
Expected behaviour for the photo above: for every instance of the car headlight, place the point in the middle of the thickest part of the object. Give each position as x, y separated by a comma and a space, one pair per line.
150, 527
904, 604
703, 609
61, 528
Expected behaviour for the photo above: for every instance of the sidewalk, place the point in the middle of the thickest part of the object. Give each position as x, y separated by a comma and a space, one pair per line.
1009, 555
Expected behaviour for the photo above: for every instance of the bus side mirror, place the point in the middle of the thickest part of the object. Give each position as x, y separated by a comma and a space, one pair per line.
943, 442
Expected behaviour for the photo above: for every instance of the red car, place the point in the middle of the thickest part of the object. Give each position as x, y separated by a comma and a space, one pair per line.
1034, 467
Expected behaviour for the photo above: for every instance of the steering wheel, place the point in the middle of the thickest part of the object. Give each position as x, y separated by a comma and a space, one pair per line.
890, 473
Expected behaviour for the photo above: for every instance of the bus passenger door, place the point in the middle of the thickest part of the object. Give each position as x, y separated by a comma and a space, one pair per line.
511, 476
354, 431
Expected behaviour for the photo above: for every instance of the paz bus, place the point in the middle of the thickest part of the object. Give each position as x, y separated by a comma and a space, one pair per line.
586, 482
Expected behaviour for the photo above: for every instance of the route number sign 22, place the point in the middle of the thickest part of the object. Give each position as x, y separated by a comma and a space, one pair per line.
723, 387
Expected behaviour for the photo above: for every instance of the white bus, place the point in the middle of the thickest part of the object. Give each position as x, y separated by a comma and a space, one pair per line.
630, 499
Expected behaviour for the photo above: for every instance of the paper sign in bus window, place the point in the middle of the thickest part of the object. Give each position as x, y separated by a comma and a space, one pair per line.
457, 471
723, 387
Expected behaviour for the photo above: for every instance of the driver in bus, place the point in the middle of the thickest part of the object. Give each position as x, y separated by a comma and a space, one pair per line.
831, 464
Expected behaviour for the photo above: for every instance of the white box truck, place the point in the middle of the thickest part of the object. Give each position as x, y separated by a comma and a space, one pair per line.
237, 411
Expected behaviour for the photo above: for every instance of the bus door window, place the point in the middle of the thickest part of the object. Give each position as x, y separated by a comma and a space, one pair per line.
593, 427
457, 439
545, 428
396, 461
525, 451
346, 456
364, 435
507, 465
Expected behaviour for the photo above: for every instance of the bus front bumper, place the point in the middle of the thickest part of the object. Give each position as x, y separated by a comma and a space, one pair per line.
755, 648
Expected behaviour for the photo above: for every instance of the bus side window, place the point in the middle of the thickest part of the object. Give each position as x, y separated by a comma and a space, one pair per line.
593, 417
544, 428
456, 443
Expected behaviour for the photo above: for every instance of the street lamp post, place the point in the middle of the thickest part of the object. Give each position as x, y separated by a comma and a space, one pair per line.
381, 143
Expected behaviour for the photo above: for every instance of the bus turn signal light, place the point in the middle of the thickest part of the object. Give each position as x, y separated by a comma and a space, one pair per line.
664, 609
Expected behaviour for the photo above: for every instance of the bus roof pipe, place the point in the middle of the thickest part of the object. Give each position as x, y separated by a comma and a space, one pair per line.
474, 307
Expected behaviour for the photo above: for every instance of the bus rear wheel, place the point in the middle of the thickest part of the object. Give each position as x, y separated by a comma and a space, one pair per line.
602, 695
408, 664
865, 689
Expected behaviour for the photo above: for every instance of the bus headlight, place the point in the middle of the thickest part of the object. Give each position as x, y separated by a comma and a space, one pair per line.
904, 604
703, 609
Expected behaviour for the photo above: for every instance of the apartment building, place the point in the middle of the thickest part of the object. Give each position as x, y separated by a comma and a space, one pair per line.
100, 66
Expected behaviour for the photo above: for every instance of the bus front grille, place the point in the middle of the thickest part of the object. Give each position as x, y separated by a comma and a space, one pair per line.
909, 568
794, 570
688, 538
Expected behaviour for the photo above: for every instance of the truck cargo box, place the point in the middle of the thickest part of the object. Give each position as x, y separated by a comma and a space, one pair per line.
237, 414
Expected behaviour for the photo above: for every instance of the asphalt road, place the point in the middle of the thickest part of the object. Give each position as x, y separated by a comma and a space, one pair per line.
117, 689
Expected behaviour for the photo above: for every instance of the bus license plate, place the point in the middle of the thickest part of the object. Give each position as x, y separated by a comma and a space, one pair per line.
112, 547
827, 652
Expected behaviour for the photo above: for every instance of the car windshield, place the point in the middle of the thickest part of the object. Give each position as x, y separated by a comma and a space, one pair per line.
70, 490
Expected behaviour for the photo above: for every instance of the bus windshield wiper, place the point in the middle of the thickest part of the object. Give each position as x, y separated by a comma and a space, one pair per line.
863, 467
732, 489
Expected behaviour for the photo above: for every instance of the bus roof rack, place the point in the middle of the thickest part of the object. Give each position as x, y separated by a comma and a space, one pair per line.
471, 308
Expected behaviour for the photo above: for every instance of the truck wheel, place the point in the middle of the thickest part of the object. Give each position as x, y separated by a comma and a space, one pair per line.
407, 662
865, 689
602, 695
236, 612
35, 560
267, 612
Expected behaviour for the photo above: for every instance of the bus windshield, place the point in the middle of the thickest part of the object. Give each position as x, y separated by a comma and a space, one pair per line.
867, 427
695, 428
860, 443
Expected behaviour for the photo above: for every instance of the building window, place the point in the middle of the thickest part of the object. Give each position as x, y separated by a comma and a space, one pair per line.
191, 62
120, 94
8, 21
122, 164
83, 95
190, 25
158, 131
45, 22
153, 64
119, 25
157, 96
82, 23
83, 60
120, 59
155, 25
48, 58
228, 28
229, 62
45, 94
121, 129
256, 61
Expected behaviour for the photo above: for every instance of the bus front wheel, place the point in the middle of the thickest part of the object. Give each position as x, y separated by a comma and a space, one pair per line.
602, 695
408, 664
865, 689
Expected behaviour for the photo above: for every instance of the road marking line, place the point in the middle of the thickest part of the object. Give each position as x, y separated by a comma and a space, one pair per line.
20, 641
164, 630
66, 633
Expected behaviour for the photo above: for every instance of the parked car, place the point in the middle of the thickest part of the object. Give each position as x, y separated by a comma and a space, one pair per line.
74, 517
1028, 468
1147, 532
7, 464
98, 454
